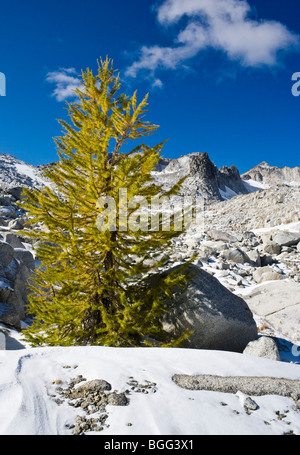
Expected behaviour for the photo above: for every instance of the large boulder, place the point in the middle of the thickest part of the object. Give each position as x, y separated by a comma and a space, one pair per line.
15, 270
9, 315
219, 319
279, 303
18, 297
264, 347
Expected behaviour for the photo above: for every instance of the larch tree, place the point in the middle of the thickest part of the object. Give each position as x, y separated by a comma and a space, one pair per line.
96, 250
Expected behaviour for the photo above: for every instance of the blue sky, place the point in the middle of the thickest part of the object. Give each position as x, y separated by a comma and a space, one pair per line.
218, 72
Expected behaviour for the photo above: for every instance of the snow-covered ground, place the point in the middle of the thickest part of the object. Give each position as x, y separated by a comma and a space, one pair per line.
28, 396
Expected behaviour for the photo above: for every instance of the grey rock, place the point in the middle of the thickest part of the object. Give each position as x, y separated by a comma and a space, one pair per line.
250, 405
3, 221
272, 248
14, 279
219, 319
15, 224
9, 315
6, 199
248, 235
256, 386
19, 296
117, 399
8, 212
247, 402
16, 192
203, 177
266, 274
6, 253
266, 260
26, 257
13, 240
298, 247
238, 256
95, 386
263, 347
285, 238
229, 177
254, 256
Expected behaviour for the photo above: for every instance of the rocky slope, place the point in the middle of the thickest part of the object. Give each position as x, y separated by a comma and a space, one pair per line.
17, 173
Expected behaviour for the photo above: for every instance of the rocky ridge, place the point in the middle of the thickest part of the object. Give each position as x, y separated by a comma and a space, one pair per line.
273, 175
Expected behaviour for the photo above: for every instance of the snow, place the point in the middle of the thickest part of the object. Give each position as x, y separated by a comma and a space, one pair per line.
290, 227
228, 193
253, 185
27, 407
28, 171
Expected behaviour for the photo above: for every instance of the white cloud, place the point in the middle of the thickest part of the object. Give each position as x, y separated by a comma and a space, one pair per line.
157, 83
65, 83
224, 25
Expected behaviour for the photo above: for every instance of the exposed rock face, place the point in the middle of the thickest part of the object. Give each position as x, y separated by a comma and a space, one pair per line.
16, 260
203, 177
265, 208
15, 270
229, 177
273, 175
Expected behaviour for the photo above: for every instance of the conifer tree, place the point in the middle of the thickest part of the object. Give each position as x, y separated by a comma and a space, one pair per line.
92, 286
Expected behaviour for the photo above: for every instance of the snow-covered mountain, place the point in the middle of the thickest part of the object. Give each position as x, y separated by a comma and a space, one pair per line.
17, 173
203, 176
268, 175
